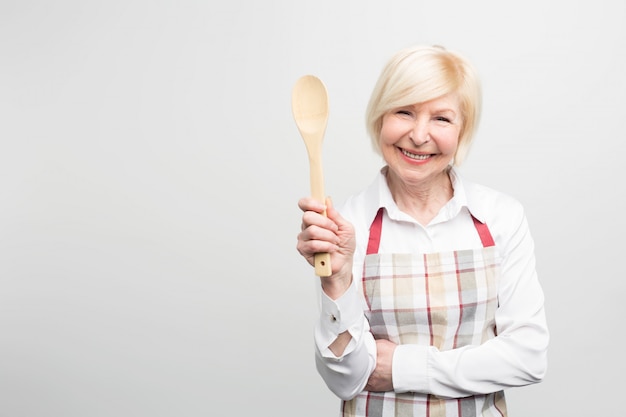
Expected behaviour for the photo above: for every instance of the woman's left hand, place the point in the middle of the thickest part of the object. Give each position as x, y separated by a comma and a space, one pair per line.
381, 378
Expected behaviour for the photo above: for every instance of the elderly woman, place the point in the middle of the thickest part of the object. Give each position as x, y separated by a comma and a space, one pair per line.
433, 307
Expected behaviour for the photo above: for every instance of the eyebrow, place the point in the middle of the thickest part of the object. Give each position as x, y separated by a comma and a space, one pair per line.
435, 110
446, 110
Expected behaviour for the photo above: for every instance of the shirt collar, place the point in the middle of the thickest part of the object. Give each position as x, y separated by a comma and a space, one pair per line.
379, 196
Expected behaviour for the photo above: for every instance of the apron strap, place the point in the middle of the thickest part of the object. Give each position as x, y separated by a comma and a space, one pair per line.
484, 233
374, 239
377, 225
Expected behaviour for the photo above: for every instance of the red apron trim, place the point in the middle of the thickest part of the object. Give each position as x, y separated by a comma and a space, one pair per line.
375, 228
484, 233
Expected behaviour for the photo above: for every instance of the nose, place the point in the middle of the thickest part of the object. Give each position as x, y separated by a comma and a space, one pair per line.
420, 133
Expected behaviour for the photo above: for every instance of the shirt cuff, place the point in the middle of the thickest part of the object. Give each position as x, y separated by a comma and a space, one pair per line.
337, 316
410, 368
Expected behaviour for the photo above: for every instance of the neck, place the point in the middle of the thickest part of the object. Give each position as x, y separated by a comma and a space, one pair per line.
422, 200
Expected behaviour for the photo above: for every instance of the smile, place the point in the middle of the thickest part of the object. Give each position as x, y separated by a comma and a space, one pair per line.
415, 156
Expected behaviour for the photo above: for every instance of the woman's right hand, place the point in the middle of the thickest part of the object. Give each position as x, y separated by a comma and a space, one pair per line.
331, 233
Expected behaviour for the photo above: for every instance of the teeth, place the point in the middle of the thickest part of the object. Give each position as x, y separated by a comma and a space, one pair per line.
414, 156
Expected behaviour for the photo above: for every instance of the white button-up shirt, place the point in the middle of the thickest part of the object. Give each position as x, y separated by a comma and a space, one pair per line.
515, 357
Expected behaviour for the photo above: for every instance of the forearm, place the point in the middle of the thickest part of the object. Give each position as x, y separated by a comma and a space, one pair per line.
340, 344
346, 376
345, 348
516, 356
508, 360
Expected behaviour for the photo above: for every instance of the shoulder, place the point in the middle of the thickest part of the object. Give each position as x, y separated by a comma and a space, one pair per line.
488, 202
503, 213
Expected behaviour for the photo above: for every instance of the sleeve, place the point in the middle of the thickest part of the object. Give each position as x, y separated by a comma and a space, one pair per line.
346, 375
517, 356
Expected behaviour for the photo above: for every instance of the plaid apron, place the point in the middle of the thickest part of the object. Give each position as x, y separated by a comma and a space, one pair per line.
447, 300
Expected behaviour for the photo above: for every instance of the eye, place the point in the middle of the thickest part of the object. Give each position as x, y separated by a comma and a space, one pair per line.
404, 112
442, 119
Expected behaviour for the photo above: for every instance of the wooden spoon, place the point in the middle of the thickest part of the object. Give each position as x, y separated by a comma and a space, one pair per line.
309, 103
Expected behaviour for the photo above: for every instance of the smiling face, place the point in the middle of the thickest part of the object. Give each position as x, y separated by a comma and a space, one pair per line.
418, 142
423, 74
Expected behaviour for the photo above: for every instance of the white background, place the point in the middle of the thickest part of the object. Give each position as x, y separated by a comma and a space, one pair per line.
150, 169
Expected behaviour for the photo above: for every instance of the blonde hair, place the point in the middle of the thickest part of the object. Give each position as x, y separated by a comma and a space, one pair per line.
423, 73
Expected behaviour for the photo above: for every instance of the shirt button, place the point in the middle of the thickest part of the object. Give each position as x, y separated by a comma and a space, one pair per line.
333, 318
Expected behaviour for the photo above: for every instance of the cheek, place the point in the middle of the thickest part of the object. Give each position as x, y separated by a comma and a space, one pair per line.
384, 136
390, 132
449, 142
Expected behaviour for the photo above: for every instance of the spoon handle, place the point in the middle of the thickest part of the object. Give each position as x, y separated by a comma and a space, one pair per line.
322, 259
322, 264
